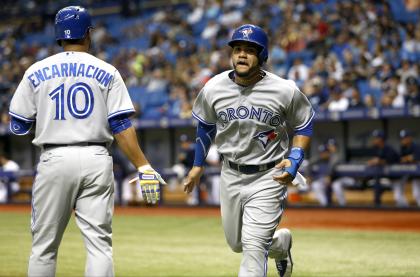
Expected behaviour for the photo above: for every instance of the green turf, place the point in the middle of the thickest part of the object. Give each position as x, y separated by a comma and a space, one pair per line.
193, 246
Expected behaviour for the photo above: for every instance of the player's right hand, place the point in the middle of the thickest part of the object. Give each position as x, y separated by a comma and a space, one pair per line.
150, 181
193, 178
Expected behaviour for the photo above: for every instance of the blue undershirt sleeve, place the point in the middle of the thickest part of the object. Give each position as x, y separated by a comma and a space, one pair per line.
205, 136
19, 127
307, 131
119, 123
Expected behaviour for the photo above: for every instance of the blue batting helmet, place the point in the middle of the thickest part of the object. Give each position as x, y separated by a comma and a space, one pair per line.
253, 34
72, 22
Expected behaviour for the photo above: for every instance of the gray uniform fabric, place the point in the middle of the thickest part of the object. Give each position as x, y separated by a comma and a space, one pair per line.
251, 207
70, 96
78, 177
252, 124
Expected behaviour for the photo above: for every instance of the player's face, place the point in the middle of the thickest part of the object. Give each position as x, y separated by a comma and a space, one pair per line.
245, 59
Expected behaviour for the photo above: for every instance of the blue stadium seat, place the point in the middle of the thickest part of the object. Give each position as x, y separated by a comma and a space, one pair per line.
157, 98
138, 95
363, 87
199, 27
400, 13
151, 113
141, 43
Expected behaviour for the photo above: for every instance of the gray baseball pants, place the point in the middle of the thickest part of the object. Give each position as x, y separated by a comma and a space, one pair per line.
251, 207
78, 178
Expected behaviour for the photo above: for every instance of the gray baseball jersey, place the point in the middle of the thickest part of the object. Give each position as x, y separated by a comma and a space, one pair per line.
252, 125
71, 96
251, 121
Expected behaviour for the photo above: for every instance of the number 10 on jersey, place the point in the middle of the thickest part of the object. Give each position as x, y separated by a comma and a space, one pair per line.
58, 96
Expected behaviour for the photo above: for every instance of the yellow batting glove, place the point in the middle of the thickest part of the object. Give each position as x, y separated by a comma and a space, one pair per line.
149, 181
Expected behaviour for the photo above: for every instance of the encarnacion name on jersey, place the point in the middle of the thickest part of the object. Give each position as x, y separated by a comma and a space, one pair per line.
69, 70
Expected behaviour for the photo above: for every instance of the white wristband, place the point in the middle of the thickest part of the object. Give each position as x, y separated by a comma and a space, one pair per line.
144, 167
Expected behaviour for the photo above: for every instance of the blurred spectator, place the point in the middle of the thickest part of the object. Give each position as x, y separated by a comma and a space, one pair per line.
384, 154
186, 161
299, 72
407, 70
412, 96
337, 102
197, 12
131, 193
211, 30
8, 180
411, 45
369, 101
355, 100
214, 164
409, 154
186, 152
339, 184
320, 172
314, 92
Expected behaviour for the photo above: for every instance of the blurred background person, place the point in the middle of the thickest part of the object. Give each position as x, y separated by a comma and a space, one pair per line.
213, 162
339, 184
8, 179
320, 172
409, 154
384, 154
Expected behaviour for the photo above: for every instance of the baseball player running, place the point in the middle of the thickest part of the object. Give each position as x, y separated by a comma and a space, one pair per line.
246, 111
78, 104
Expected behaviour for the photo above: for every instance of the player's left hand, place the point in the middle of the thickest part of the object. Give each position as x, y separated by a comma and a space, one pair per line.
290, 165
193, 178
284, 177
149, 182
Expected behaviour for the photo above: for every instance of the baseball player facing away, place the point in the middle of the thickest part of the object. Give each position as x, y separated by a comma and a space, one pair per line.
246, 111
78, 104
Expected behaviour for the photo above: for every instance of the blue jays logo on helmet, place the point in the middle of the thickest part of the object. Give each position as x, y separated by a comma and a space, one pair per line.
246, 32
266, 137
253, 34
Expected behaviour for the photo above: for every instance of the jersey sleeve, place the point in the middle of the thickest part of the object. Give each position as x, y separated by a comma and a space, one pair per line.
203, 111
118, 101
300, 112
22, 105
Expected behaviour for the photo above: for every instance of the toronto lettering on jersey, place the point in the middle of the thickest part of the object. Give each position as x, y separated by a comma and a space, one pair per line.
70, 70
243, 112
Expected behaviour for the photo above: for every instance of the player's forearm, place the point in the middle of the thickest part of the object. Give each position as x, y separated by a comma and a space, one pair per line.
205, 135
301, 141
128, 143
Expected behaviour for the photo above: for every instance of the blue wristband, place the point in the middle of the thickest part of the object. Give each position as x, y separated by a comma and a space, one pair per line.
295, 157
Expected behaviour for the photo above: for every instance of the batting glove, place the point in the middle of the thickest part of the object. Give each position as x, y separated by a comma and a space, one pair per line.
149, 182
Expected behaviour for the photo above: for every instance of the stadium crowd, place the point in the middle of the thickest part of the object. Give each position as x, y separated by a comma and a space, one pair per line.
342, 54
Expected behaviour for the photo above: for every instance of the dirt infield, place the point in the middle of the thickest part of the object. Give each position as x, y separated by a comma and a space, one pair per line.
364, 219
